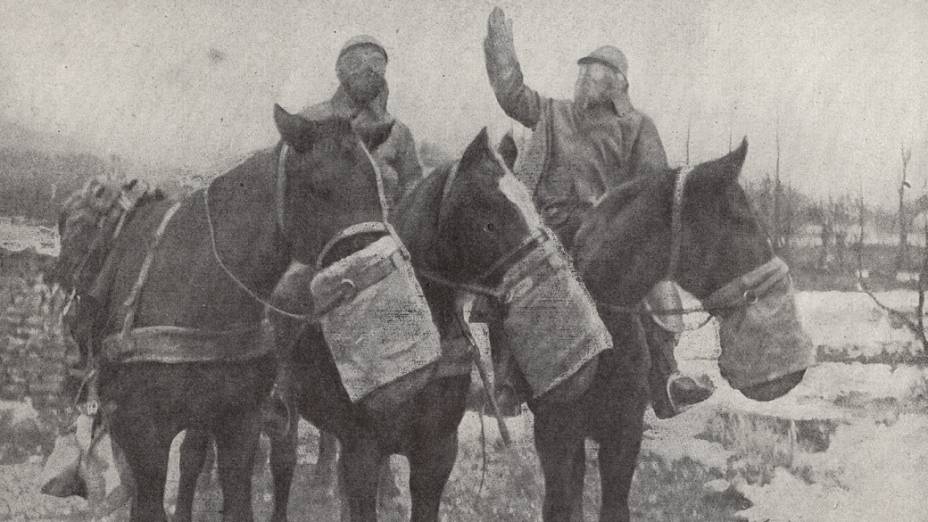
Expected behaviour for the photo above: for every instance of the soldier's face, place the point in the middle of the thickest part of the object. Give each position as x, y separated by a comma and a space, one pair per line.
595, 83
361, 71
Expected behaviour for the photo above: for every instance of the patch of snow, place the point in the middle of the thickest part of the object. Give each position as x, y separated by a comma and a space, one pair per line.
870, 472
17, 236
19, 411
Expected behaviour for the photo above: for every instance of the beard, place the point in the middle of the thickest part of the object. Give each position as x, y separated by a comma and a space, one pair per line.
363, 88
589, 94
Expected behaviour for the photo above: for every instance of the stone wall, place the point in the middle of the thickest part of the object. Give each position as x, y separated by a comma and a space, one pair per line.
34, 352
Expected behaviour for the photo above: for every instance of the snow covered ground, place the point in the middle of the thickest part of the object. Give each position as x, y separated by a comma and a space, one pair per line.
850, 443
16, 236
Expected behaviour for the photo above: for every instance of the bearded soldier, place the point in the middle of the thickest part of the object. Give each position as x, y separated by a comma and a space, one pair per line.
362, 98
579, 149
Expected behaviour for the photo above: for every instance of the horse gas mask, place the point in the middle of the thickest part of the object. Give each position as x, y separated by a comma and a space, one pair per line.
547, 318
551, 323
759, 330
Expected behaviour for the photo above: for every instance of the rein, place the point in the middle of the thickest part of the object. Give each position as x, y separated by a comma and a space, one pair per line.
280, 214
738, 293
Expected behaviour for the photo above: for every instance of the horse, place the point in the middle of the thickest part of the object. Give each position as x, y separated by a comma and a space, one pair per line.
465, 226
184, 349
695, 227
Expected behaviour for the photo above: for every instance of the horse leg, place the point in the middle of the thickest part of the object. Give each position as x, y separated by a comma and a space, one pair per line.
359, 473
192, 458
236, 444
559, 442
147, 450
578, 471
430, 465
324, 472
283, 463
618, 459
387, 490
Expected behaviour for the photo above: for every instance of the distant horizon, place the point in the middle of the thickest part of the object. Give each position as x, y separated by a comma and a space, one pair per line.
192, 85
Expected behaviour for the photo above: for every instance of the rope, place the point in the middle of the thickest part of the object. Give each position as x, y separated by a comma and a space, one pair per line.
738, 293
236, 280
281, 185
473, 288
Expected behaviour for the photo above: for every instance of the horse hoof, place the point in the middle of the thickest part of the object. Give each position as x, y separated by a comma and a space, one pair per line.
774, 389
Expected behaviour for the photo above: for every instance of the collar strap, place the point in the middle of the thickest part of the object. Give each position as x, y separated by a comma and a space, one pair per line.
280, 194
750, 287
511, 258
369, 227
540, 240
445, 191
676, 221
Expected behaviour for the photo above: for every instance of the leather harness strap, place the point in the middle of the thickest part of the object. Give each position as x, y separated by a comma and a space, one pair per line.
676, 221
130, 306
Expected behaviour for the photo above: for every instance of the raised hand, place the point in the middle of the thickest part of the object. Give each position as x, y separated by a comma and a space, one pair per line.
499, 30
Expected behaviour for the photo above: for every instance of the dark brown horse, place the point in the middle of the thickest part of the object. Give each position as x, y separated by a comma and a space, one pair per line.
624, 247
202, 365
465, 225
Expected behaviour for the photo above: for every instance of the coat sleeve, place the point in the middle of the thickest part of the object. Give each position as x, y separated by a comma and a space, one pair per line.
519, 101
648, 156
407, 165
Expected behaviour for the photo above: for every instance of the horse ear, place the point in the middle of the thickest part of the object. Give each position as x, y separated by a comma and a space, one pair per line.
294, 129
374, 136
724, 170
478, 150
507, 150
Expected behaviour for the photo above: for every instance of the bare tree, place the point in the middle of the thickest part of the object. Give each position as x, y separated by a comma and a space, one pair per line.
840, 219
824, 215
902, 255
861, 224
915, 322
777, 194
688, 125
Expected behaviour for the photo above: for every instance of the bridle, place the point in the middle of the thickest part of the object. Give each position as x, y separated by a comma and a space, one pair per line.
740, 292
479, 285
280, 189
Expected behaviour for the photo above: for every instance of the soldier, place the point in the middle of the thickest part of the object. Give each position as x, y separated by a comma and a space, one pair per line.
362, 97
579, 149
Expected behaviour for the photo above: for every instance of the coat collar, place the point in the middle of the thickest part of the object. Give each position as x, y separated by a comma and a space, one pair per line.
373, 112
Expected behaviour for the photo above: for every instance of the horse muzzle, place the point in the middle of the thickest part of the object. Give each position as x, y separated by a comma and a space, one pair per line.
761, 336
551, 323
376, 321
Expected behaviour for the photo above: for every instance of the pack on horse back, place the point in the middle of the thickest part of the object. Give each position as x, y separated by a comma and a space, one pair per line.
91, 219
85, 462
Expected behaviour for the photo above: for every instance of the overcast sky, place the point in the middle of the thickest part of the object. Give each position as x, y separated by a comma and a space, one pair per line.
193, 83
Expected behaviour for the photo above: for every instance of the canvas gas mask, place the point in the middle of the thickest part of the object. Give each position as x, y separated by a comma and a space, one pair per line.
759, 330
361, 72
550, 323
370, 307
549, 319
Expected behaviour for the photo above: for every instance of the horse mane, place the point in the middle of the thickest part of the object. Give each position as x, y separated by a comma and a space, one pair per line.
617, 198
418, 213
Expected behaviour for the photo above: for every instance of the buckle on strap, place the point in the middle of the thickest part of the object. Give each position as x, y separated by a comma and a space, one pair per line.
750, 287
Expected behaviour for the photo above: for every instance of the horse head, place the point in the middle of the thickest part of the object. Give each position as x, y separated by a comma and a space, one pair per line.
327, 181
471, 226
485, 214
723, 258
